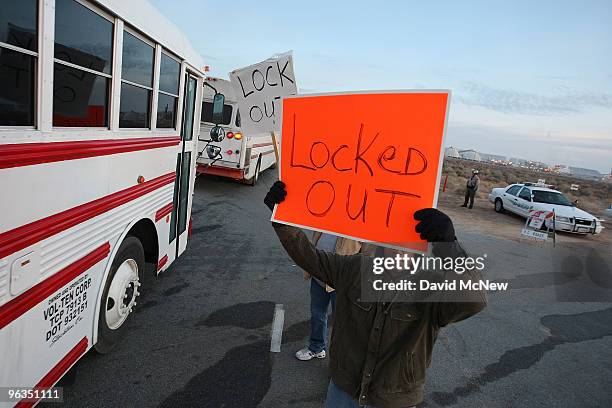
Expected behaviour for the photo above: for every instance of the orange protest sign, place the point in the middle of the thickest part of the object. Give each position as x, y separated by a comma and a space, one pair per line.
360, 165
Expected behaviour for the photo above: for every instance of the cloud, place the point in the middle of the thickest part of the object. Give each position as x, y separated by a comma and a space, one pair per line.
565, 101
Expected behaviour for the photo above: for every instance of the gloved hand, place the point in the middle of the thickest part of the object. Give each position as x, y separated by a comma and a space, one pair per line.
276, 194
434, 225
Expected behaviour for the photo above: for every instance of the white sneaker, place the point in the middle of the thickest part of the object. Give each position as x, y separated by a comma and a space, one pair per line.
306, 354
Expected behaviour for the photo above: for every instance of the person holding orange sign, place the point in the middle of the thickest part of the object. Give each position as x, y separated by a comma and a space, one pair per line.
379, 351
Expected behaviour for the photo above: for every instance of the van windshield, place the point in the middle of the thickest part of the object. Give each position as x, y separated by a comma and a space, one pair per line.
550, 197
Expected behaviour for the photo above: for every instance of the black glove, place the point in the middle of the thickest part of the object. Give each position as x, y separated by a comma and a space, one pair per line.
434, 225
276, 194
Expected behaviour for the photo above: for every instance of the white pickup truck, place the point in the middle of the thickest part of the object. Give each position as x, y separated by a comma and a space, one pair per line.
524, 198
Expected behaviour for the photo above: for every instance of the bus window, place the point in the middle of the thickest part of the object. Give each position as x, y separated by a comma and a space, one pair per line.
168, 92
136, 82
207, 108
18, 22
83, 38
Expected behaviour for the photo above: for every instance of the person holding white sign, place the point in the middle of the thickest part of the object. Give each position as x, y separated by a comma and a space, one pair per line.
322, 295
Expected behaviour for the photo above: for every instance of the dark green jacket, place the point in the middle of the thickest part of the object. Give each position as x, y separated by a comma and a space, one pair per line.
379, 352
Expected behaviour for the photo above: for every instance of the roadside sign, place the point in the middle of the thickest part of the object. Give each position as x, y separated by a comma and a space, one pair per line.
537, 218
359, 165
534, 234
260, 88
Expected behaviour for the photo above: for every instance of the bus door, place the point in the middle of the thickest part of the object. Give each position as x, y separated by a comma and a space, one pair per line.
185, 163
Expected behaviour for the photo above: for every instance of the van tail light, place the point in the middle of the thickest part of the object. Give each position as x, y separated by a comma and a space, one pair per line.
238, 136
229, 135
230, 152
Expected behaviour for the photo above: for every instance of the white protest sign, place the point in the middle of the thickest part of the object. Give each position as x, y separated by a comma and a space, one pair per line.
537, 218
260, 88
534, 234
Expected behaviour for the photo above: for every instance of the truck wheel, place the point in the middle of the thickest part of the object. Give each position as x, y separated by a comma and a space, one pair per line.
499, 205
256, 175
120, 293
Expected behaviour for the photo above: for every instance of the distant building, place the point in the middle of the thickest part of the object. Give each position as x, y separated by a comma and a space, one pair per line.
561, 169
470, 155
515, 161
492, 157
451, 152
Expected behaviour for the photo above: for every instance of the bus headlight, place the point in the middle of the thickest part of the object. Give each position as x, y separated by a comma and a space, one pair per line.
213, 151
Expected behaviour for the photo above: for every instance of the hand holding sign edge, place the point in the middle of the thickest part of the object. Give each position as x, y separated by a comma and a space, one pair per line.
434, 225
276, 195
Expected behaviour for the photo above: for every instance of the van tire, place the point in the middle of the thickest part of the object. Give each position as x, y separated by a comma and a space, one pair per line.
131, 259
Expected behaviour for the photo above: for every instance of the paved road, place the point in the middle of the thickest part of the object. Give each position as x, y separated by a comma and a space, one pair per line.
201, 335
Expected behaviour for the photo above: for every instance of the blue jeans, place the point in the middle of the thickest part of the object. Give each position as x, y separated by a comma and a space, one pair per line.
319, 304
336, 398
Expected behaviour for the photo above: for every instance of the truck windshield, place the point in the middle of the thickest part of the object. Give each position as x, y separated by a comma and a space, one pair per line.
550, 197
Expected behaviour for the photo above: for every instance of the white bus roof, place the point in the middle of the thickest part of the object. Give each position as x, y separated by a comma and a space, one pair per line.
146, 18
222, 86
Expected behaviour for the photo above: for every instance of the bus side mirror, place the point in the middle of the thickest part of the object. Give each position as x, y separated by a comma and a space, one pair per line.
217, 111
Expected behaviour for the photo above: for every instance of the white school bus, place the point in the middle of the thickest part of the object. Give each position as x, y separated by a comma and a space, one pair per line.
99, 108
225, 149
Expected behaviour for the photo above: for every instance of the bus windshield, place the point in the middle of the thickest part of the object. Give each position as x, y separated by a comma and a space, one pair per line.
207, 108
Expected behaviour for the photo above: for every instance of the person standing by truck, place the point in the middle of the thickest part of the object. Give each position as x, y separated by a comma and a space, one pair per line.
471, 187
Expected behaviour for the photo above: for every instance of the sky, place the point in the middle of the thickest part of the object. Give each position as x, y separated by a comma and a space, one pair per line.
529, 79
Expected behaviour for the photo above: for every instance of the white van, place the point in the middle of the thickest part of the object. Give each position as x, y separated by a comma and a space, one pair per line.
224, 150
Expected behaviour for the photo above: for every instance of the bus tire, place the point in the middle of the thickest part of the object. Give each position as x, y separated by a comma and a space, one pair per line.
256, 175
120, 293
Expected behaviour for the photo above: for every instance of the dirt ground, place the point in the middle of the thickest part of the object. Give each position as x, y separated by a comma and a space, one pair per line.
484, 219
593, 196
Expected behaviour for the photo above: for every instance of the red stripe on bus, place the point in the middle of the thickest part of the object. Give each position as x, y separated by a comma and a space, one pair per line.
26, 235
58, 370
36, 294
163, 261
27, 154
162, 212
262, 145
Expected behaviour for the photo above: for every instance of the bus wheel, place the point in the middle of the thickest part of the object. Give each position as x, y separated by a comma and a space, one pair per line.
120, 293
256, 175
